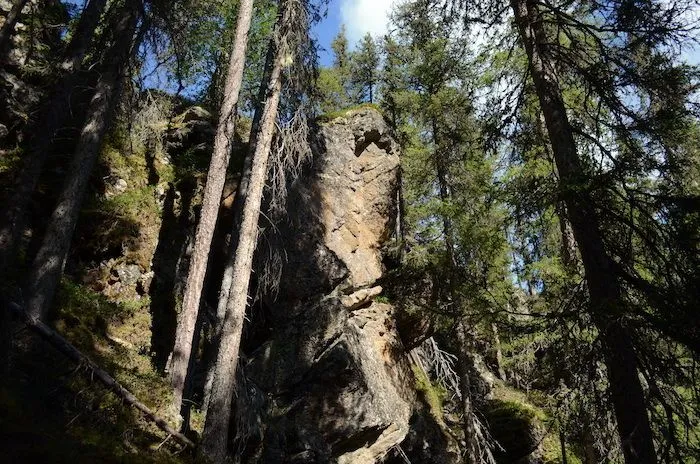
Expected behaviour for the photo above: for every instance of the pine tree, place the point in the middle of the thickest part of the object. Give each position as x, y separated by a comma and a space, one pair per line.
341, 60
48, 264
444, 166
54, 116
365, 64
334, 84
210, 207
582, 61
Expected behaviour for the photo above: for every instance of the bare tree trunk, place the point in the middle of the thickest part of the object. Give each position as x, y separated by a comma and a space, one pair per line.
590, 453
562, 446
82, 35
238, 203
52, 118
8, 27
48, 264
626, 392
216, 179
216, 427
498, 353
471, 455
568, 244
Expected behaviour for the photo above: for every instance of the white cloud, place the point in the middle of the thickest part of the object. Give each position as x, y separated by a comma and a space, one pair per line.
363, 16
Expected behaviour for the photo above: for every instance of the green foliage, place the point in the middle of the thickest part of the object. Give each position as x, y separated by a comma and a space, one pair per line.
10, 162
332, 93
344, 113
337, 86
364, 65
339, 45
382, 299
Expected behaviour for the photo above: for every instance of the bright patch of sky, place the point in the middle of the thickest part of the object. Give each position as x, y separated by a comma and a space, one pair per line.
363, 16
359, 17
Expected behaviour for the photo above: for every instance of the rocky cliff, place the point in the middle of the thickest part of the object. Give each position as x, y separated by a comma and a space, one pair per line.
331, 380
332, 383
332, 371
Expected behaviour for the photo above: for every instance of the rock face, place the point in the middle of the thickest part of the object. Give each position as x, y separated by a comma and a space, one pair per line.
333, 383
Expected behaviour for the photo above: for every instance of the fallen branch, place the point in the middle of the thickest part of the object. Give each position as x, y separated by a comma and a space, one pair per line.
94, 371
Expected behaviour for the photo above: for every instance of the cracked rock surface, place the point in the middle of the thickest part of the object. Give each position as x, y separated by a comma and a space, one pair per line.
332, 383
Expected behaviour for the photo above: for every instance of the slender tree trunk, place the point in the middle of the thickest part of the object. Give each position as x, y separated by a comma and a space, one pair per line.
568, 244
498, 353
562, 446
82, 35
216, 427
463, 363
52, 118
8, 27
626, 392
590, 453
48, 264
216, 179
238, 203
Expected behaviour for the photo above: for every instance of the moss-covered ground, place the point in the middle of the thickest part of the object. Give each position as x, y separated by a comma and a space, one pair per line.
520, 422
50, 410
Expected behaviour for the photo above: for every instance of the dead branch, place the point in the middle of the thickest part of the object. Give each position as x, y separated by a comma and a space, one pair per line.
93, 371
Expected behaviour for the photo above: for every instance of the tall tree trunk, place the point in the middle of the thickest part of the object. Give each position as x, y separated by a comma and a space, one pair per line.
607, 306
216, 179
562, 446
238, 203
53, 117
461, 328
216, 427
463, 364
8, 27
498, 354
82, 35
48, 264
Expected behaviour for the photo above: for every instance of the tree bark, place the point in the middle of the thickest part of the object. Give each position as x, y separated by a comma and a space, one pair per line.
562, 446
216, 179
8, 27
463, 363
48, 264
498, 353
607, 306
53, 117
238, 203
93, 371
216, 427
82, 35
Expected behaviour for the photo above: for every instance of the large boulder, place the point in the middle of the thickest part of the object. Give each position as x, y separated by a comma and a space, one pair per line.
333, 384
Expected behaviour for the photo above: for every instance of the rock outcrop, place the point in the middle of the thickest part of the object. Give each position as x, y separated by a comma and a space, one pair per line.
333, 383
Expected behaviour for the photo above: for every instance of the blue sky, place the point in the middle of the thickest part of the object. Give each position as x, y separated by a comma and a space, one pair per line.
359, 17
362, 16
